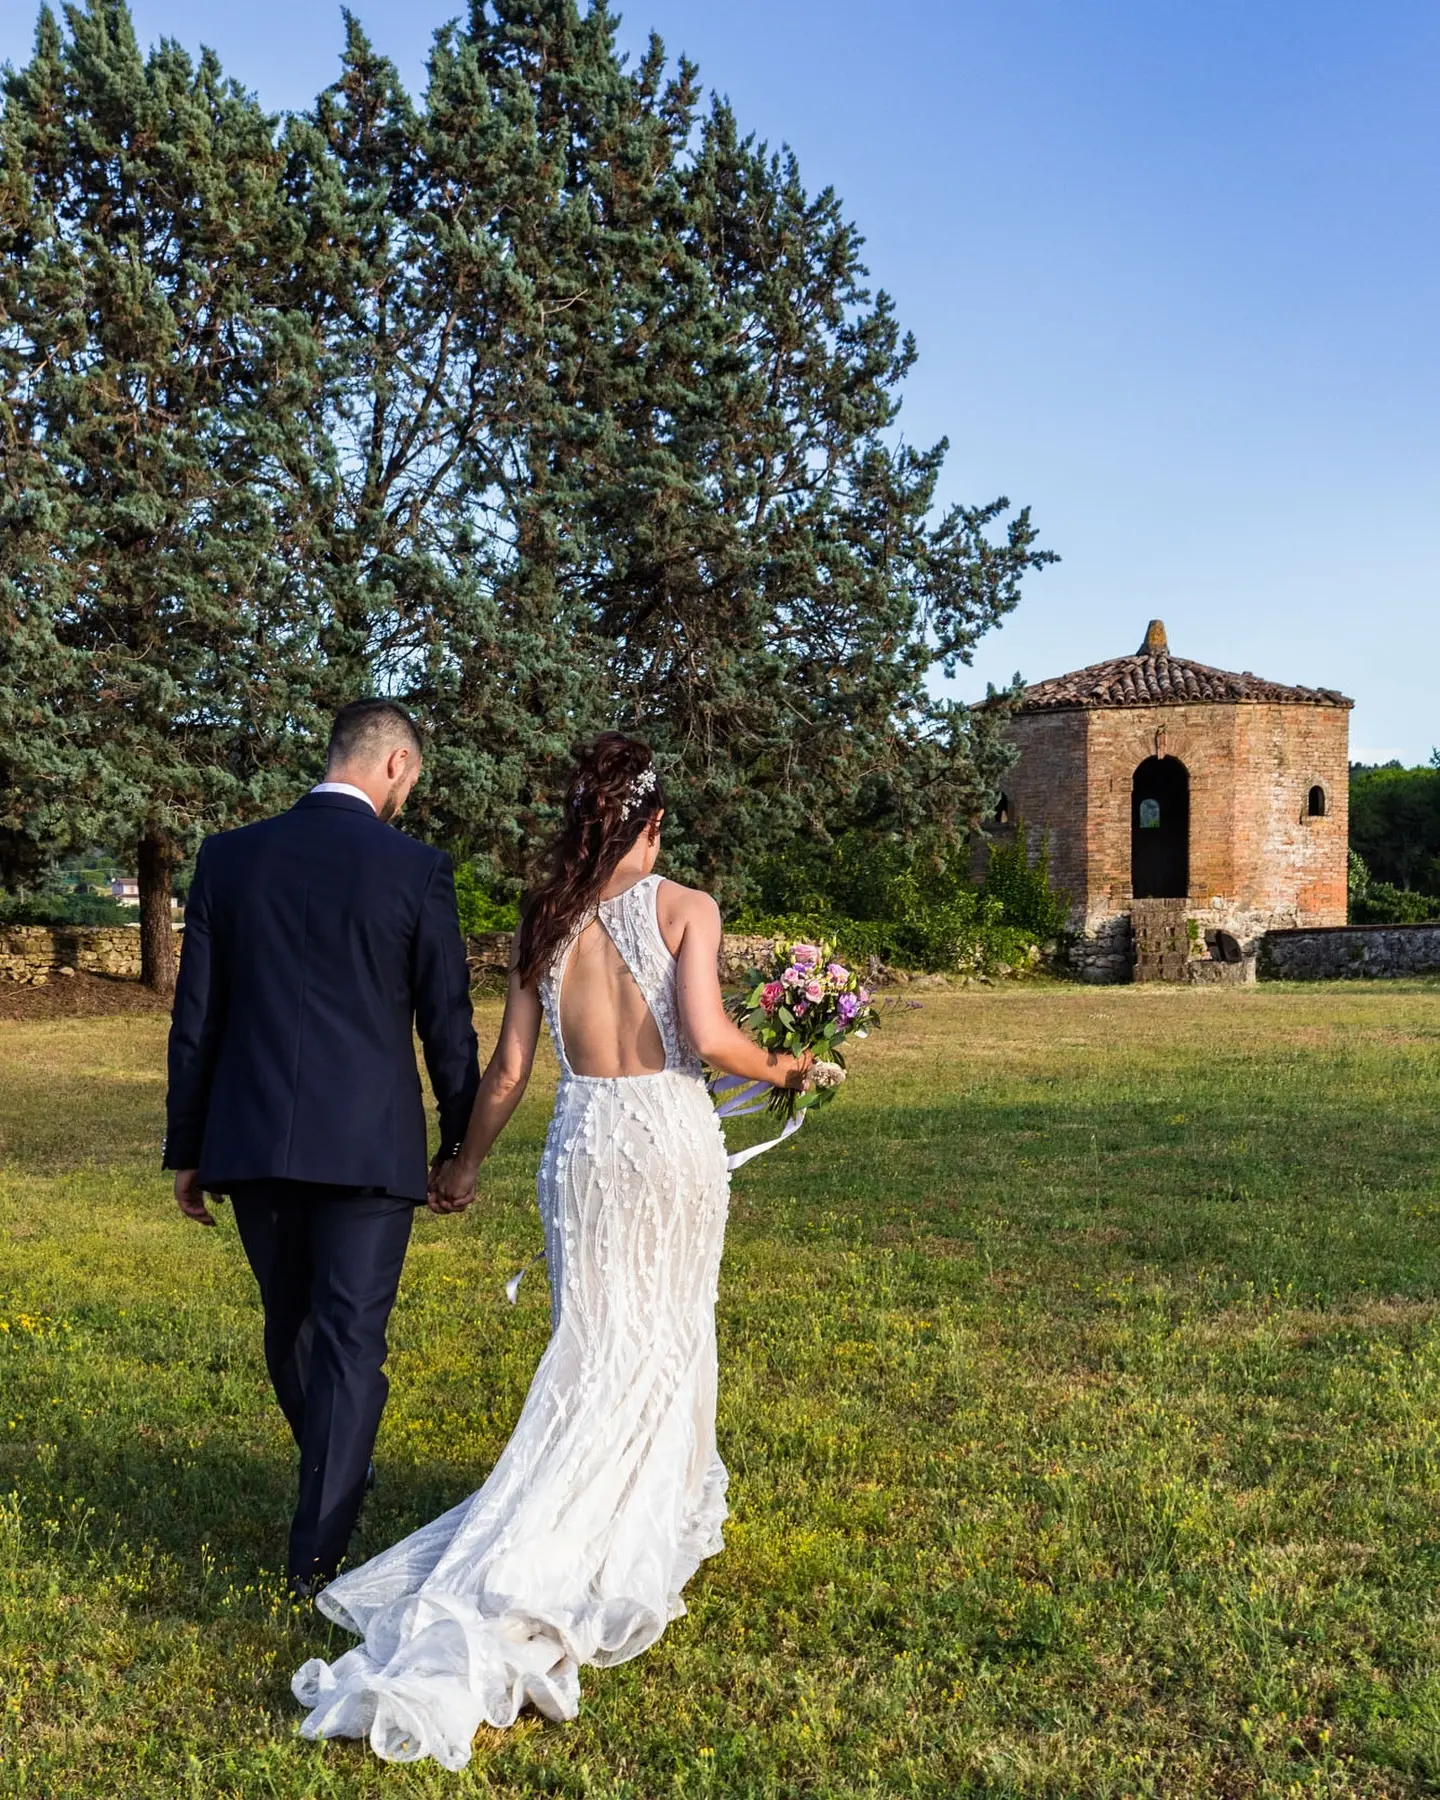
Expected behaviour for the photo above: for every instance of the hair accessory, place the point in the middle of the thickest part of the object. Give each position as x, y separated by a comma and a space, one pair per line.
644, 783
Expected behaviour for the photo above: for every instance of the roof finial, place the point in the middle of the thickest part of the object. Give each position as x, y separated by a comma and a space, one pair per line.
1155, 641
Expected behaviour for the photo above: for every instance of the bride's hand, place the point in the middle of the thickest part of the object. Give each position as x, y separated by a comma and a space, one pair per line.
452, 1187
798, 1079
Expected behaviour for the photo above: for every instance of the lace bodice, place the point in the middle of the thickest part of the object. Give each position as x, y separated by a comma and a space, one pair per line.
630, 921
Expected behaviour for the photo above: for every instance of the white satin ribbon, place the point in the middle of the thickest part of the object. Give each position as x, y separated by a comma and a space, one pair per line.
736, 1098
512, 1286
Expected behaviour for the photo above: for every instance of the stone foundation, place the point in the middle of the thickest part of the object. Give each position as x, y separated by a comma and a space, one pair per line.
1102, 951
1221, 942
1162, 940
1346, 951
1220, 945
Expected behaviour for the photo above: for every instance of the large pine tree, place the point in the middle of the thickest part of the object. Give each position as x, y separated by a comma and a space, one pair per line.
548, 403
160, 380
707, 515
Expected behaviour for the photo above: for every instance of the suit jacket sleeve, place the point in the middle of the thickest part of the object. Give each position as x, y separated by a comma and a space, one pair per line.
443, 1014
196, 1021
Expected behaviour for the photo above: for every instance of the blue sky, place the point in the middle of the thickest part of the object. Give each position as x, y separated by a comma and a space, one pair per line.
1174, 271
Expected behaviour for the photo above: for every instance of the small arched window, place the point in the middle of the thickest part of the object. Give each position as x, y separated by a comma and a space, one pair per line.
1315, 805
1002, 811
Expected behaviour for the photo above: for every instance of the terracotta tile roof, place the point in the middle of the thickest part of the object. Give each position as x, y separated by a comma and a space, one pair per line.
1153, 677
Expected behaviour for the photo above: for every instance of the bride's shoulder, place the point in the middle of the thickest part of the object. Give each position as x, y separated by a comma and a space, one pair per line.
683, 905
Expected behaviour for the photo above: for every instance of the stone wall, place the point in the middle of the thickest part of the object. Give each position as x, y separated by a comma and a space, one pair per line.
35, 953
39, 953
1351, 950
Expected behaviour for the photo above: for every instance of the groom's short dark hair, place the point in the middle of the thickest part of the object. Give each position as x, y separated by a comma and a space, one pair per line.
365, 729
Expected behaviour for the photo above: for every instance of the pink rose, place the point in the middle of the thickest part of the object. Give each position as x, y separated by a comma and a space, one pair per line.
808, 954
771, 996
814, 991
800, 1009
793, 977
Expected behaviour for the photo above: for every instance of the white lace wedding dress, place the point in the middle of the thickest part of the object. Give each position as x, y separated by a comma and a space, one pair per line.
610, 1492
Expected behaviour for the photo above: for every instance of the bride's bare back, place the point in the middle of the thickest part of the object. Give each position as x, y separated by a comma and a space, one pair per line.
608, 1029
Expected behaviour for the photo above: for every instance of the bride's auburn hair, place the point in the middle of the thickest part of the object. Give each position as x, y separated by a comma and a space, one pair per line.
613, 793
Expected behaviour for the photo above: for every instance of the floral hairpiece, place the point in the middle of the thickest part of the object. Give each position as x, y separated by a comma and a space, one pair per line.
644, 783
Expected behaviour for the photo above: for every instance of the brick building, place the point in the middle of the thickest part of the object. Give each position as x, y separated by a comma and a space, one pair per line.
1184, 807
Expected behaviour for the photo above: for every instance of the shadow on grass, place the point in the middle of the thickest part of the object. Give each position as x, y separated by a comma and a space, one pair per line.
193, 1526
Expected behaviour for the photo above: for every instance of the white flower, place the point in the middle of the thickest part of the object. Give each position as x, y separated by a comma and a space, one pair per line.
644, 783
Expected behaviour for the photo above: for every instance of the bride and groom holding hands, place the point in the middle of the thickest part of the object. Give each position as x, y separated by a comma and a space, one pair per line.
317, 944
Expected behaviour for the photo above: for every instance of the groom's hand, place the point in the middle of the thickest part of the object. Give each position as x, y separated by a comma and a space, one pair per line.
451, 1188
190, 1197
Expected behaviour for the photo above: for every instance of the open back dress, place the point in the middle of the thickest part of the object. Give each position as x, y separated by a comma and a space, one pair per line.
610, 1491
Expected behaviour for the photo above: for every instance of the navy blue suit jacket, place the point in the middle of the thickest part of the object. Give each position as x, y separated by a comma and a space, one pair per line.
316, 943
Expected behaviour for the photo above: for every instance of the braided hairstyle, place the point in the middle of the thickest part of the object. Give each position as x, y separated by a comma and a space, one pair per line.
613, 794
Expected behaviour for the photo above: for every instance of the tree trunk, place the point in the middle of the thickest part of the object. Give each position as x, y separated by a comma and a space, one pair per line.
155, 873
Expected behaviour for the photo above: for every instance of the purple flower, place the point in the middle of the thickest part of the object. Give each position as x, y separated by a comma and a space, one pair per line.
849, 1006
800, 1009
839, 974
864, 996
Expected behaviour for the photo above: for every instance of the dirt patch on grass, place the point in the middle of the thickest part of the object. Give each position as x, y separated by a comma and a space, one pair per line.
78, 997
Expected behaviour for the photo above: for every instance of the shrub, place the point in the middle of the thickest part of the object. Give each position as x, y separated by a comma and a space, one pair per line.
942, 939
1022, 886
64, 909
910, 904
1380, 903
481, 909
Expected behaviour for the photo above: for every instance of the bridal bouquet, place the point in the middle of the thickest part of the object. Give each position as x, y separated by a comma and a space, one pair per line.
800, 998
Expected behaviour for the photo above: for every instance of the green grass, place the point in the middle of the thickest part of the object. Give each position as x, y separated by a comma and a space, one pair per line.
1080, 1383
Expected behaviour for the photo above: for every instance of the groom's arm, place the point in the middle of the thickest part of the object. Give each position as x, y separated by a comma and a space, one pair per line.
196, 1019
443, 1015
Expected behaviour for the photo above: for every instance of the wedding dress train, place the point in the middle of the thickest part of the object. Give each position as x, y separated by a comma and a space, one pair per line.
610, 1492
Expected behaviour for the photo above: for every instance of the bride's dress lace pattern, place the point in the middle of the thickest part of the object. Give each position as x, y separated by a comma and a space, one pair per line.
610, 1492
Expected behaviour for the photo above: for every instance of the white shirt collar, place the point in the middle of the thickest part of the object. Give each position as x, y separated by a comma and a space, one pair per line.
343, 787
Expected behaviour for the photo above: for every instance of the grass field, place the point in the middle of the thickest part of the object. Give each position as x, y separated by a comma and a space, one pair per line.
1080, 1383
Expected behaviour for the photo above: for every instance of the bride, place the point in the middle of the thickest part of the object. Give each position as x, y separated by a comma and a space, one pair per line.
610, 1491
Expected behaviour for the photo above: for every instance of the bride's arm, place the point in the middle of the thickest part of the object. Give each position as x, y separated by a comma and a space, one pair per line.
709, 1030
501, 1088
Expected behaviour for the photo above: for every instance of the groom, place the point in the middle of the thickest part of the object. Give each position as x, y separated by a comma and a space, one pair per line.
315, 944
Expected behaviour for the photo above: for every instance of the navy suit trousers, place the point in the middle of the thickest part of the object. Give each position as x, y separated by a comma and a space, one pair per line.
328, 1261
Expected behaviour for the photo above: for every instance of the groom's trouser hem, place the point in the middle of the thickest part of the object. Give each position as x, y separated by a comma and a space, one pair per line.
328, 1264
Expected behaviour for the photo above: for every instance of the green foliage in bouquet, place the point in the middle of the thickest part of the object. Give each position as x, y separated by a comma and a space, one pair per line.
800, 998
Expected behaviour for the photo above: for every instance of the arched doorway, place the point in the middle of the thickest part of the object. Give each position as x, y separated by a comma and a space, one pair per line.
1160, 830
